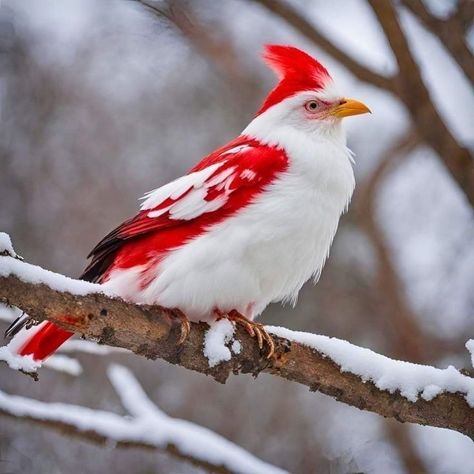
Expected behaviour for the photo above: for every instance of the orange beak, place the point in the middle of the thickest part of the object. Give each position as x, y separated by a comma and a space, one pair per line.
349, 107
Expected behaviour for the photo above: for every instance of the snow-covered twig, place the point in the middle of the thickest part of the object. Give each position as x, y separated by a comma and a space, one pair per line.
146, 426
16, 362
58, 362
353, 375
10, 313
65, 364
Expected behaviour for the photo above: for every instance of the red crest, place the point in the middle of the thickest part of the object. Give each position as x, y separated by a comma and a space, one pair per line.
297, 70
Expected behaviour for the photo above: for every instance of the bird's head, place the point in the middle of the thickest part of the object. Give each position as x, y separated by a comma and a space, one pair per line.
305, 97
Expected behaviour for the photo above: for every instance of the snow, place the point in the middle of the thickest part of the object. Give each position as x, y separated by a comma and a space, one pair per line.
17, 362
218, 335
8, 354
354, 440
189, 438
470, 348
89, 347
56, 362
33, 274
64, 364
147, 424
411, 380
6, 244
9, 313
236, 347
443, 451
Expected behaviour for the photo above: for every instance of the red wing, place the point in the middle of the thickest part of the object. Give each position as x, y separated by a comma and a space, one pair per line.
216, 188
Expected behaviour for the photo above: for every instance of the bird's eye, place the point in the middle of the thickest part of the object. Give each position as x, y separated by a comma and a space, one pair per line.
312, 106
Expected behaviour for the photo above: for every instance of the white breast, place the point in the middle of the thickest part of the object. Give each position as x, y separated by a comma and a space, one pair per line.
269, 249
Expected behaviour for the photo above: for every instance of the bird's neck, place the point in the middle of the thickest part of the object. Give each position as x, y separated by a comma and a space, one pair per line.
318, 156
292, 139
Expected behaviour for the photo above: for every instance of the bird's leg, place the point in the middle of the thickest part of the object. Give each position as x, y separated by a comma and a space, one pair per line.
185, 325
254, 329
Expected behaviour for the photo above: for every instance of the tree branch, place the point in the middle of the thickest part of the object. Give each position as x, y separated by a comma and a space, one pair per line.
412, 91
407, 335
100, 439
464, 14
150, 331
450, 32
145, 427
210, 42
301, 24
408, 85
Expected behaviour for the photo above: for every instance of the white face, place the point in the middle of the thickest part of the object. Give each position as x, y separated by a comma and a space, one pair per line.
313, 110
308, 111
317, 112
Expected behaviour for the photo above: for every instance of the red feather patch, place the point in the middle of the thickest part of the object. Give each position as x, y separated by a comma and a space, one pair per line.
297, 70
243, 168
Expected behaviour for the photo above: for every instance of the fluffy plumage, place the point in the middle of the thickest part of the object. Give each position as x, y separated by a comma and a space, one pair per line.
251, 222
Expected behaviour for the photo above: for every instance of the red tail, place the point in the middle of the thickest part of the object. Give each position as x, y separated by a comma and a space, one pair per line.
44, 341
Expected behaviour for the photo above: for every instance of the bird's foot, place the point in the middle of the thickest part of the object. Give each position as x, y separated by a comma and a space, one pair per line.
254, 329
185, 325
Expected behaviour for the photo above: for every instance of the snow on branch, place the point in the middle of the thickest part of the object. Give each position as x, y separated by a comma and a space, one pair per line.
146, 426
353, 375
26, 364
57, 362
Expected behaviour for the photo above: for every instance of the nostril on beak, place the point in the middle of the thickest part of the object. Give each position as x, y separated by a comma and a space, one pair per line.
342, 101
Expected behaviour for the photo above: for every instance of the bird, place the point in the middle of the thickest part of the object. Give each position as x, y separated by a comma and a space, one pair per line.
246, 226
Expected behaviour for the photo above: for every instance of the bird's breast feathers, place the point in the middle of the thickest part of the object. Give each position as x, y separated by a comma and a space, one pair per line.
248, 225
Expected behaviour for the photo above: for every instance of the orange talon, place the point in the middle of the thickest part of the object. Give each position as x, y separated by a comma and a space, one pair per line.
259, 337
185, 325
254, 329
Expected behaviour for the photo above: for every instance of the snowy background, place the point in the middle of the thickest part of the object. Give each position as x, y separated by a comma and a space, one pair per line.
102, 101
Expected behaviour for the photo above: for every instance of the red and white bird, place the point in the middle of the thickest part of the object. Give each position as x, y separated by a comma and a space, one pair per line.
248, 225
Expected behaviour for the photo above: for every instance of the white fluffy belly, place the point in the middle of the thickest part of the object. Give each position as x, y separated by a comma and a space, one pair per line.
265, 253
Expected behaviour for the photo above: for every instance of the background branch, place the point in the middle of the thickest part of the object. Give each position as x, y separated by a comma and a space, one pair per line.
145, 427
451, 32
406, 333
413, 93
289, 14
407, 85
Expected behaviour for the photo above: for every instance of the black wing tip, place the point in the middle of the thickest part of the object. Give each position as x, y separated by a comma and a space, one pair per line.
16, 326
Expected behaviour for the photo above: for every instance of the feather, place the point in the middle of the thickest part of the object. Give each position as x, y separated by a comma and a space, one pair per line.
17, 325
297, 70
212, 191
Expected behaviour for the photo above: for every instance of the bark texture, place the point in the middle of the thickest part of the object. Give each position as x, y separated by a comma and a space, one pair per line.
152, 331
